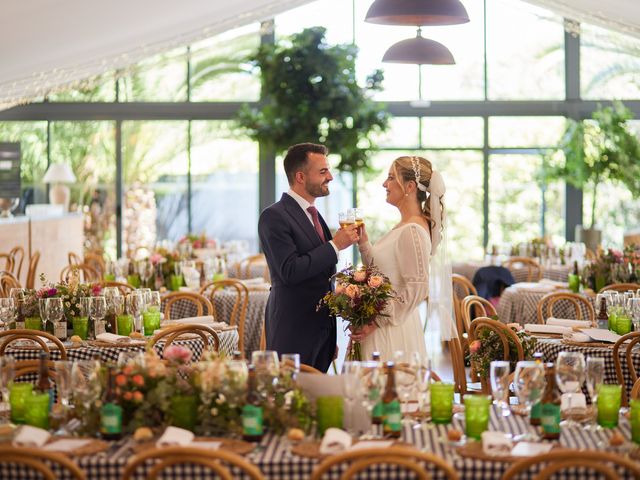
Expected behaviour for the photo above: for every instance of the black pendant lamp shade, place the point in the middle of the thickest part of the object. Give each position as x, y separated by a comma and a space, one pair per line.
417, 12
419, 50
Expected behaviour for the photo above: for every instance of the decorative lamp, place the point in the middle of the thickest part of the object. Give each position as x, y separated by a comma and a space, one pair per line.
58, 174
419, 50
417, 12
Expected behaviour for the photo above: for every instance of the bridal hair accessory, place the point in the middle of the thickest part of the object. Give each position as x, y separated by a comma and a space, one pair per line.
436, 203
415, 164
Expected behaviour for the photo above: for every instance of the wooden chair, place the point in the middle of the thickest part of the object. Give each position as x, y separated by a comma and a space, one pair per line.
462, 287
200, 302
174, 332
303, 367
39, 463
473, 306
505, 333
408, 458
635, 391
87, 274
27, 367
124, 288
17, 255
9, 336
74, 259
214, 460
96, 262
244, 267
31, 272
534, 269
457, 363
8, 262
580, 304
549, 464
7, 282
239, 310
620, 287
634, 339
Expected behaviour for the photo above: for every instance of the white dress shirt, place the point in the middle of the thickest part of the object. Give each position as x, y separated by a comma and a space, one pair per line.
304, 204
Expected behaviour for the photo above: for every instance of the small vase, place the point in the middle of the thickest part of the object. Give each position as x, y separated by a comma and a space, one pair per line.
184, 411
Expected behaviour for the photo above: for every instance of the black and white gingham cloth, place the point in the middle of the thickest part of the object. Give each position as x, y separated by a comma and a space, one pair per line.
256, 270
275, 460
519, 305
223, 302
558, 273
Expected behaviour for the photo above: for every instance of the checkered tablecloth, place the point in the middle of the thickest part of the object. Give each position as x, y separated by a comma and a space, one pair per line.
255, 270
552, 347
223, 303
274, 458
558, 273
228, 343
519, 305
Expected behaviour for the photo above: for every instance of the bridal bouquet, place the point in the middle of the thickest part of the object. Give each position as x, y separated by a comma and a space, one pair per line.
360, 295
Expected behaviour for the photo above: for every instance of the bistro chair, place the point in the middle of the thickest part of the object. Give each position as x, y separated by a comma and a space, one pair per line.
406, 458
95, 261
471, 307
17, 256
38, 463
244, 267
195, 301
74, 258
633, 338
620, 287
8, 262
579, 303
31, 272
461, 287
217, 461
7, 282
548, 465
208, 335
534, 269
635, 391
457, 363
32, 367
85, 273
240, 302
36, 336
124, 288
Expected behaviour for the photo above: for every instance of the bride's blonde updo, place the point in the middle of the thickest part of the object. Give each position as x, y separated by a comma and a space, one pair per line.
405, 169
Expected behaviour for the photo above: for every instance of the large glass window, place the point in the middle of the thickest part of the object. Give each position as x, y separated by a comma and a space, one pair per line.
452, 132
513, 132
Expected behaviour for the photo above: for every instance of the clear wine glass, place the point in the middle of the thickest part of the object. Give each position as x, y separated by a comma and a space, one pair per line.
499, 376
135, 307
570, 375
633, 306
7, 312
18, 295
371, 385
290, 364
351, 390
405, 372
64, 388
595, 378
422, 365
85, 385
7, 372
145, 270
267, 369
529, 383
97, 312
54, 313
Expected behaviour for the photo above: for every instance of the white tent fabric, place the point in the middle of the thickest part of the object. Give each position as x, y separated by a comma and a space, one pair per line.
619, 15
46, 45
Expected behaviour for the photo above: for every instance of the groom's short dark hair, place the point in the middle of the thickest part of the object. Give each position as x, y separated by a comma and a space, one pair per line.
297, 156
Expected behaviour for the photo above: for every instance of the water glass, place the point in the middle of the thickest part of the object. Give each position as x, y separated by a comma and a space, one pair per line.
18, 393
609, 398
441, 402
499, 376
635, 420
529, 383
329, 412
595, 379
476, 415
570, 375
36, 410
7, 372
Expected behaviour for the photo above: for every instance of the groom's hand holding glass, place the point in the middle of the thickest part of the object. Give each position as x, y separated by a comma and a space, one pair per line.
346, 236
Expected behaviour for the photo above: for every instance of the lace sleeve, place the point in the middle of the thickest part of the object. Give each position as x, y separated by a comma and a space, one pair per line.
412, 257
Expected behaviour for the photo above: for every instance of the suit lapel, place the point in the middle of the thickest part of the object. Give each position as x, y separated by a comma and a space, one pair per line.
301, 218
325, 228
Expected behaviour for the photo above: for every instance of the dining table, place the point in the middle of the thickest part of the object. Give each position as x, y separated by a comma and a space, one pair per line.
278, 458
558, 273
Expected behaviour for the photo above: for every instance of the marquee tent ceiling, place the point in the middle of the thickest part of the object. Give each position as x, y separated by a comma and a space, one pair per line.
50, 44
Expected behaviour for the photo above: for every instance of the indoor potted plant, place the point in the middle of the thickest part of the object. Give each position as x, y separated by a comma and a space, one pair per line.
594, 151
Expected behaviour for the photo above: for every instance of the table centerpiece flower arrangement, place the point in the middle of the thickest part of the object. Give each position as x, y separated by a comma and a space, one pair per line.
198, 241
612, 266
361, 294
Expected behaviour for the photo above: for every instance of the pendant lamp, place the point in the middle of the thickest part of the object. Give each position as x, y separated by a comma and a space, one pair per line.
419, 50
417, 12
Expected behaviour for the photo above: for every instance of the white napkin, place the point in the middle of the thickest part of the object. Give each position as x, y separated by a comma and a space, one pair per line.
576, 337
578, 401
250, 282
29, 436
496, 443
553, 283
537, 328
175, 436
112, 338
203, 320
530, 449
601, 335
372, 444
533, 287
334, 441
66, 444
567, 322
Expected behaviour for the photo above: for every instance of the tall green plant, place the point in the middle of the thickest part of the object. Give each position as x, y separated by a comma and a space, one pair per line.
311, 95
598, 150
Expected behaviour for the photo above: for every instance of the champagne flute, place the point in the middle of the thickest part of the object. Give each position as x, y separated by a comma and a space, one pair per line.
267, 369
7, 372
570, 374
595, 378
499, 375
529, 383
351, 390
145, 270
97, 312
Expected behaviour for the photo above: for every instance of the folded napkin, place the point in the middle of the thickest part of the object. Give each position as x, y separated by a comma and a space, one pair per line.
601, 335
29, 436
335, 441
553, 283
496, 443
578, 401
537, 328
533, 287
567, 322
175, 436
576, 337
203, 320
112, 338
372, 444
530, 449
67, 444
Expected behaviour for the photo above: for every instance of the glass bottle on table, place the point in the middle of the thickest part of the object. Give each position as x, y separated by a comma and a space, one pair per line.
111, 411
392, 415
550, 410
602, 318
252, 413
537, 407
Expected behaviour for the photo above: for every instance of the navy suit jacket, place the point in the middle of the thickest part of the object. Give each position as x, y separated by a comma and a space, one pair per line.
301, 266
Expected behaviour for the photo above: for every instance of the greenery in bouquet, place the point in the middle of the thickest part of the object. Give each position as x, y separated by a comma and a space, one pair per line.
198, 240
70, 291
488, 347
612, 266
360, 295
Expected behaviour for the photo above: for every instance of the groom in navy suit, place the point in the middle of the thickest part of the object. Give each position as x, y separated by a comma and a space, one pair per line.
302, 257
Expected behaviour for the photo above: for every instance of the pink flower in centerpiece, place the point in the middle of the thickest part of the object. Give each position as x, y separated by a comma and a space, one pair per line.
197, 244
360, 275
352, 291
375, 281
475, 346
127, 396
514, 326
156, 258
177, 354
96, 288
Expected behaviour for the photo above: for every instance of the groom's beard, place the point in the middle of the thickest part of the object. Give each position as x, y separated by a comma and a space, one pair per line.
316, 190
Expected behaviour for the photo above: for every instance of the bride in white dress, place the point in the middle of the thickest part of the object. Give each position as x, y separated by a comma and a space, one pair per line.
403, 254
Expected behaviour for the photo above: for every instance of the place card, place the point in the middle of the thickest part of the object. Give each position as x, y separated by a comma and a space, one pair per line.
578, 401
29, 436
175, 436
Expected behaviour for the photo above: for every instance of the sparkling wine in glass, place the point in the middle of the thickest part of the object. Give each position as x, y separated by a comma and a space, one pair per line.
346, 218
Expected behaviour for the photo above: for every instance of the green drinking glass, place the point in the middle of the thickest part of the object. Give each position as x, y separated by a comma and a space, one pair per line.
329, 412
184, 411
151, 321
635, 420
441, 402
80, 327
18, 393
33, 323
476, 415
125, 324
175, 282
609, 397
36, 410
